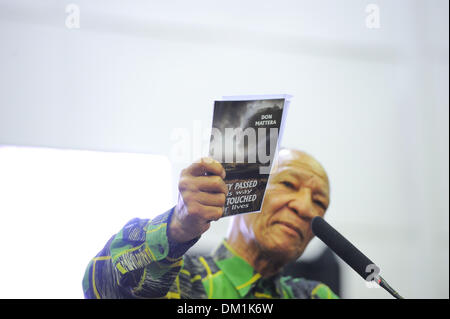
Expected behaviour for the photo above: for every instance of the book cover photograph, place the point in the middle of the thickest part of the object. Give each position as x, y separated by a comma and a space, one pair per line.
245, 135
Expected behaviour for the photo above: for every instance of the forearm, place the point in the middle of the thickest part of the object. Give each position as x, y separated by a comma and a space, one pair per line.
140, 261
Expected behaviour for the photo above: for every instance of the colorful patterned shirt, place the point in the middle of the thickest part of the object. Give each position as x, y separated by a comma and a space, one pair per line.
142, 262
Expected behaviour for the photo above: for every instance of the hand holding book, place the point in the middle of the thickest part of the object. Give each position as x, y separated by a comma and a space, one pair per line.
202, 193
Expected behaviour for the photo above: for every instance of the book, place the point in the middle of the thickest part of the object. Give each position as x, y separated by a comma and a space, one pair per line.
245, 137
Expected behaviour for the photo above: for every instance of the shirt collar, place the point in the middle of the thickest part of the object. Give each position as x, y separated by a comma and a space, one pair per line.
237, 270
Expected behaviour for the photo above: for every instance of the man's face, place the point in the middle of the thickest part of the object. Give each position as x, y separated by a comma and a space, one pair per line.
298, 191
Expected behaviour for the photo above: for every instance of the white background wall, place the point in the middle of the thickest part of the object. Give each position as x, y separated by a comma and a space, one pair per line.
371, 104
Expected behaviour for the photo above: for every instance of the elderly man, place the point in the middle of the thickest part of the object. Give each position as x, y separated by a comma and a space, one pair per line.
147, 258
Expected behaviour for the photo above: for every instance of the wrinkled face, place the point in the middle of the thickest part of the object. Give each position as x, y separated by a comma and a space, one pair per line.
298, 191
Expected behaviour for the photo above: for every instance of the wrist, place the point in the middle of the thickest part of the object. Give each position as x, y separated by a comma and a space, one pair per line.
178, 241
175, 231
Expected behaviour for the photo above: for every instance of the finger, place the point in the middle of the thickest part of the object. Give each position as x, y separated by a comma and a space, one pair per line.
214, 213
202, 213
211, 184
206, 165
208, 199
209, 213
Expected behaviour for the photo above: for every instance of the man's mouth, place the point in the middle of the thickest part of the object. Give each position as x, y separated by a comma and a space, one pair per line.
292, 228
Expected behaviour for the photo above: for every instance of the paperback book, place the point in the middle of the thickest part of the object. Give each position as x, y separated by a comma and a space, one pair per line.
246, 133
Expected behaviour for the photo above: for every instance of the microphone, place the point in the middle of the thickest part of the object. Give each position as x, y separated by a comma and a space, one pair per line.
349, 253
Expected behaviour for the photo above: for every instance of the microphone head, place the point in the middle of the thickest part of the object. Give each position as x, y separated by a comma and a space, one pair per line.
342, 247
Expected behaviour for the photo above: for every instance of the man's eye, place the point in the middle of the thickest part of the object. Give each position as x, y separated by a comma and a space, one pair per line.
288, 184
319, 203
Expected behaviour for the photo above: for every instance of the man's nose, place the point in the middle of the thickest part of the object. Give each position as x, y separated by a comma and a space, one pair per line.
302, 204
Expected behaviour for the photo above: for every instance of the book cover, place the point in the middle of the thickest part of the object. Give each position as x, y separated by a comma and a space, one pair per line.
245, 135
